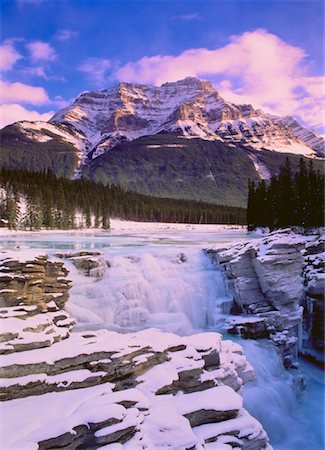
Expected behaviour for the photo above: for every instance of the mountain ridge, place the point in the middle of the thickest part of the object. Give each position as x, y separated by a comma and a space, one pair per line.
78, 141
188, 107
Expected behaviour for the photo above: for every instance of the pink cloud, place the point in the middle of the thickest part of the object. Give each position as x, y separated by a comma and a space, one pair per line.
41, 51
23, 93
14, 112
96, 69
256, 67
8, 56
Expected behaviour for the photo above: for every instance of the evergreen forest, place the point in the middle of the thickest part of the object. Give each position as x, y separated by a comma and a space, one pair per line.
288, 199
35, 200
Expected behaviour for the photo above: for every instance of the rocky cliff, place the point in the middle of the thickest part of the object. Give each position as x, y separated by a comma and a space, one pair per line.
277, 286
81, 390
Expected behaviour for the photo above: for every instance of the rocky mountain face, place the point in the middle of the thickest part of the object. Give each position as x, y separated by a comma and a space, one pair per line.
277, 285
189, 107
89, 389
74, 140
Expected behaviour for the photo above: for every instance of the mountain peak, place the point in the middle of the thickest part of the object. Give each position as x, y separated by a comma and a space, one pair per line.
189, 107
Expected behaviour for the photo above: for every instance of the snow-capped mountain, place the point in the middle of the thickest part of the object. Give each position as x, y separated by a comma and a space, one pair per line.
181, 140
189, 107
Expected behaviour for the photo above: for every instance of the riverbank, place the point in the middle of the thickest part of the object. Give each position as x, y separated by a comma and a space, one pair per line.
118, 225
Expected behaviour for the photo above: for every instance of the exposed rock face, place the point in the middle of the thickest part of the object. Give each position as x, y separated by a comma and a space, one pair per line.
266, 278
89, 389
90, 263
33, 281
32, 292
314, 282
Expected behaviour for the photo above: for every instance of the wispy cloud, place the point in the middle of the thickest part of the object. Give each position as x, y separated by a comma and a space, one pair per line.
65, 35
8, 55
190, 17
96, 69
256, 67
60, 102
41, 51
40, 72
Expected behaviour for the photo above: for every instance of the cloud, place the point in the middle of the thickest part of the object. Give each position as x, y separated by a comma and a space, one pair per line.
61, 103
190, 17
65, 35
255, 67
36, 71
8, 56
10, 113
13, 97
41, 51
40, 72
22, 93
96, 69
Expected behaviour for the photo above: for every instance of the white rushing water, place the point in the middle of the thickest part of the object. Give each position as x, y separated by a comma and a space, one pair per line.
164, 280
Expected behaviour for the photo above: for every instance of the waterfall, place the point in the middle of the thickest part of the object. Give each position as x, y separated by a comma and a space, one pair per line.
177, 291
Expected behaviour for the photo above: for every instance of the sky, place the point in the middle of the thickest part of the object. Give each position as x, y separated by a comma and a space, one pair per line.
269, 53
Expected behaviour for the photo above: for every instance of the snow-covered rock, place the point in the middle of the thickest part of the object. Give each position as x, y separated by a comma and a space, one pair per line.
90, 263
188, 107
265, 279
277, 283
103, 389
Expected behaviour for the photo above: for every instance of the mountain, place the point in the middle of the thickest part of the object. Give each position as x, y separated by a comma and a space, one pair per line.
139, 136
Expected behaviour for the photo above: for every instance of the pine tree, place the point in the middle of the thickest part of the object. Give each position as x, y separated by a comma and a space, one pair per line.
11, 210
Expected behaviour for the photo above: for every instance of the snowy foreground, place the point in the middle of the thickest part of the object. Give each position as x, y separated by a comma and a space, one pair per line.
103, 389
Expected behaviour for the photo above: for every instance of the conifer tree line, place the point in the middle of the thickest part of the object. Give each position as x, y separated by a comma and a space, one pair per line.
35, 200
288, 199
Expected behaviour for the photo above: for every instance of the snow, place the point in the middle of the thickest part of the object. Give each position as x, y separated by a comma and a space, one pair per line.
64, 379
128, 225
33, 130
260, 168
118, 225
132, 418
21, 417
245, 424
219, 398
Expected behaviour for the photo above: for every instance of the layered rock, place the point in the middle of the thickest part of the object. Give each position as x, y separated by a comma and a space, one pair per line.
90, 389
266, 279
33, 291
